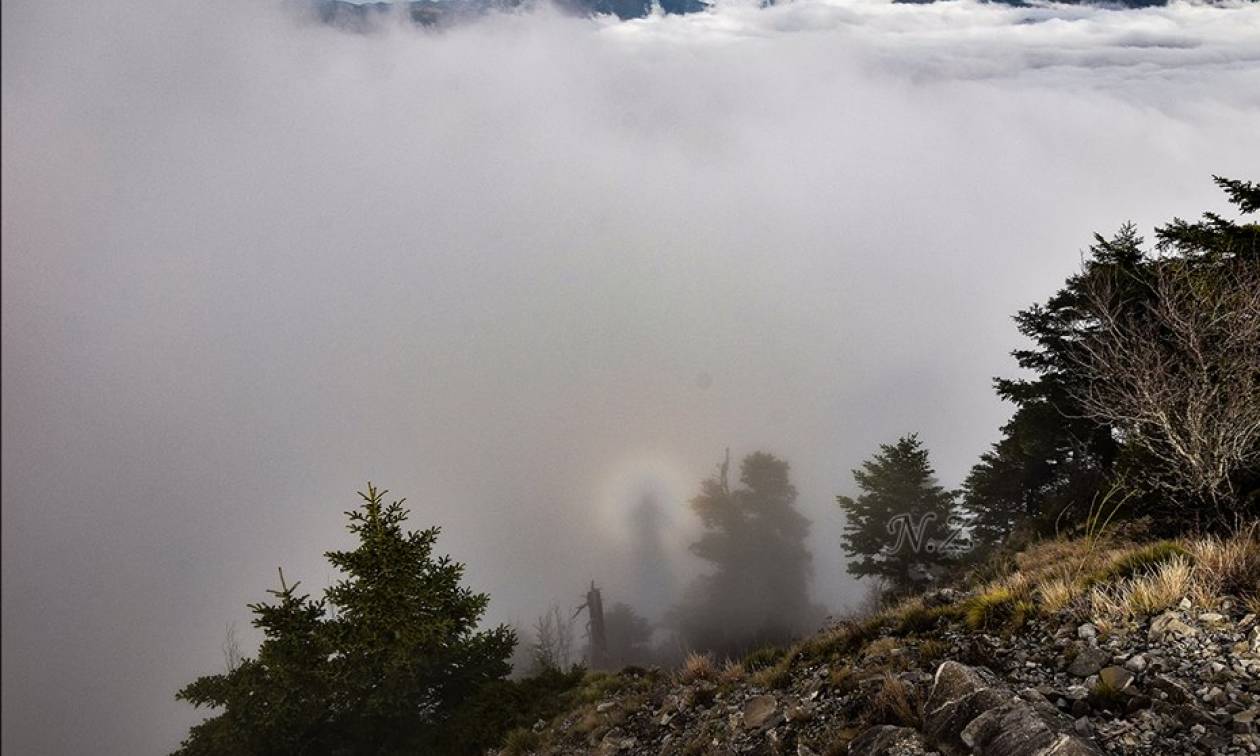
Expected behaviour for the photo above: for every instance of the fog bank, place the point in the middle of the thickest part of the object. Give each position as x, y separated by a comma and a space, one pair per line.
524, 272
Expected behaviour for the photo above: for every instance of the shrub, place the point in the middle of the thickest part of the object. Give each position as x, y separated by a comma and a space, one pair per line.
497, 708
521, 741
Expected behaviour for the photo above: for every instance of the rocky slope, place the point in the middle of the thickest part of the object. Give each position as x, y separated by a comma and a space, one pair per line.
963, 672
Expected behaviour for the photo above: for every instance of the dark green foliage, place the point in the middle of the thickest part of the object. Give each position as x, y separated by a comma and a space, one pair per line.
899, 527
504, 707
521, 741
758, 592
379, 665
1051, 457
1054, 458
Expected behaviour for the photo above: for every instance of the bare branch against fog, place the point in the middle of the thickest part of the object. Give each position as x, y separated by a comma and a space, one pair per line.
232, 655
553, 641
1177, 376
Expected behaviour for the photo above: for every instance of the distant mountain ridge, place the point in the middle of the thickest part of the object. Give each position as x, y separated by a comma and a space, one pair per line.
362, 17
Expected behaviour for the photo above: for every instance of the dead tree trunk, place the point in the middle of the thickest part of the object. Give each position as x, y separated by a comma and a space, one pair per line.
594, 607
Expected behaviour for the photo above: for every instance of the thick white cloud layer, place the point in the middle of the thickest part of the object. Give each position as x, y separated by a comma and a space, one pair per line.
521, 271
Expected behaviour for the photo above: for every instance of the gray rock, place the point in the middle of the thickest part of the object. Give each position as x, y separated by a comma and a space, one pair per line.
954, 680
1088, 661
759, 711
1136, 663
1245, 721
1018, 729
1174, 691
946, 722
1168, 625
886, 740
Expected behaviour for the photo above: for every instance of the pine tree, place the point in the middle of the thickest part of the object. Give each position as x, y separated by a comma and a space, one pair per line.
375, 667
898, 528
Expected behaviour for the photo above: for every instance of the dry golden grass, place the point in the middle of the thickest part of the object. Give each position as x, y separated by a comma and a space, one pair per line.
932, 649
998, 609
775, 677
1139, 597
697, 667
1205, 570
880, 647
731, 673
1057, 594
1228, 566
1063, 559
896, 703
1137, 560
843, 679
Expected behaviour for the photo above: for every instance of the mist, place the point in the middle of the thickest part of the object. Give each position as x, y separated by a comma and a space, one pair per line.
525, 272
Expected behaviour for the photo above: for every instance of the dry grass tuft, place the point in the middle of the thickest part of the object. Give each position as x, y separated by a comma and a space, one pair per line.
697, 667
1139, 597
774, 678
1057, 594
931, 649
1228, 566
897, 703
839, 640
1003, 606
731, 673
1140, 560
880, 647
843, 679
766, 656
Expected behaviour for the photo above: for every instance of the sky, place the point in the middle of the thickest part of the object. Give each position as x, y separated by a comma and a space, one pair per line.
524, 272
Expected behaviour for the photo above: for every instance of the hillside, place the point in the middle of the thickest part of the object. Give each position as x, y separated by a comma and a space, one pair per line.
1090, 645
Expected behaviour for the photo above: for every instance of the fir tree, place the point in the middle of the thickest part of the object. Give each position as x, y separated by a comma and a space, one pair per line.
375, 667
898, 528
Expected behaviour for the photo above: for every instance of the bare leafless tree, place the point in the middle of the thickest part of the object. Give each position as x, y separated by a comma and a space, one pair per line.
553, 641
1175, 369
231, 648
